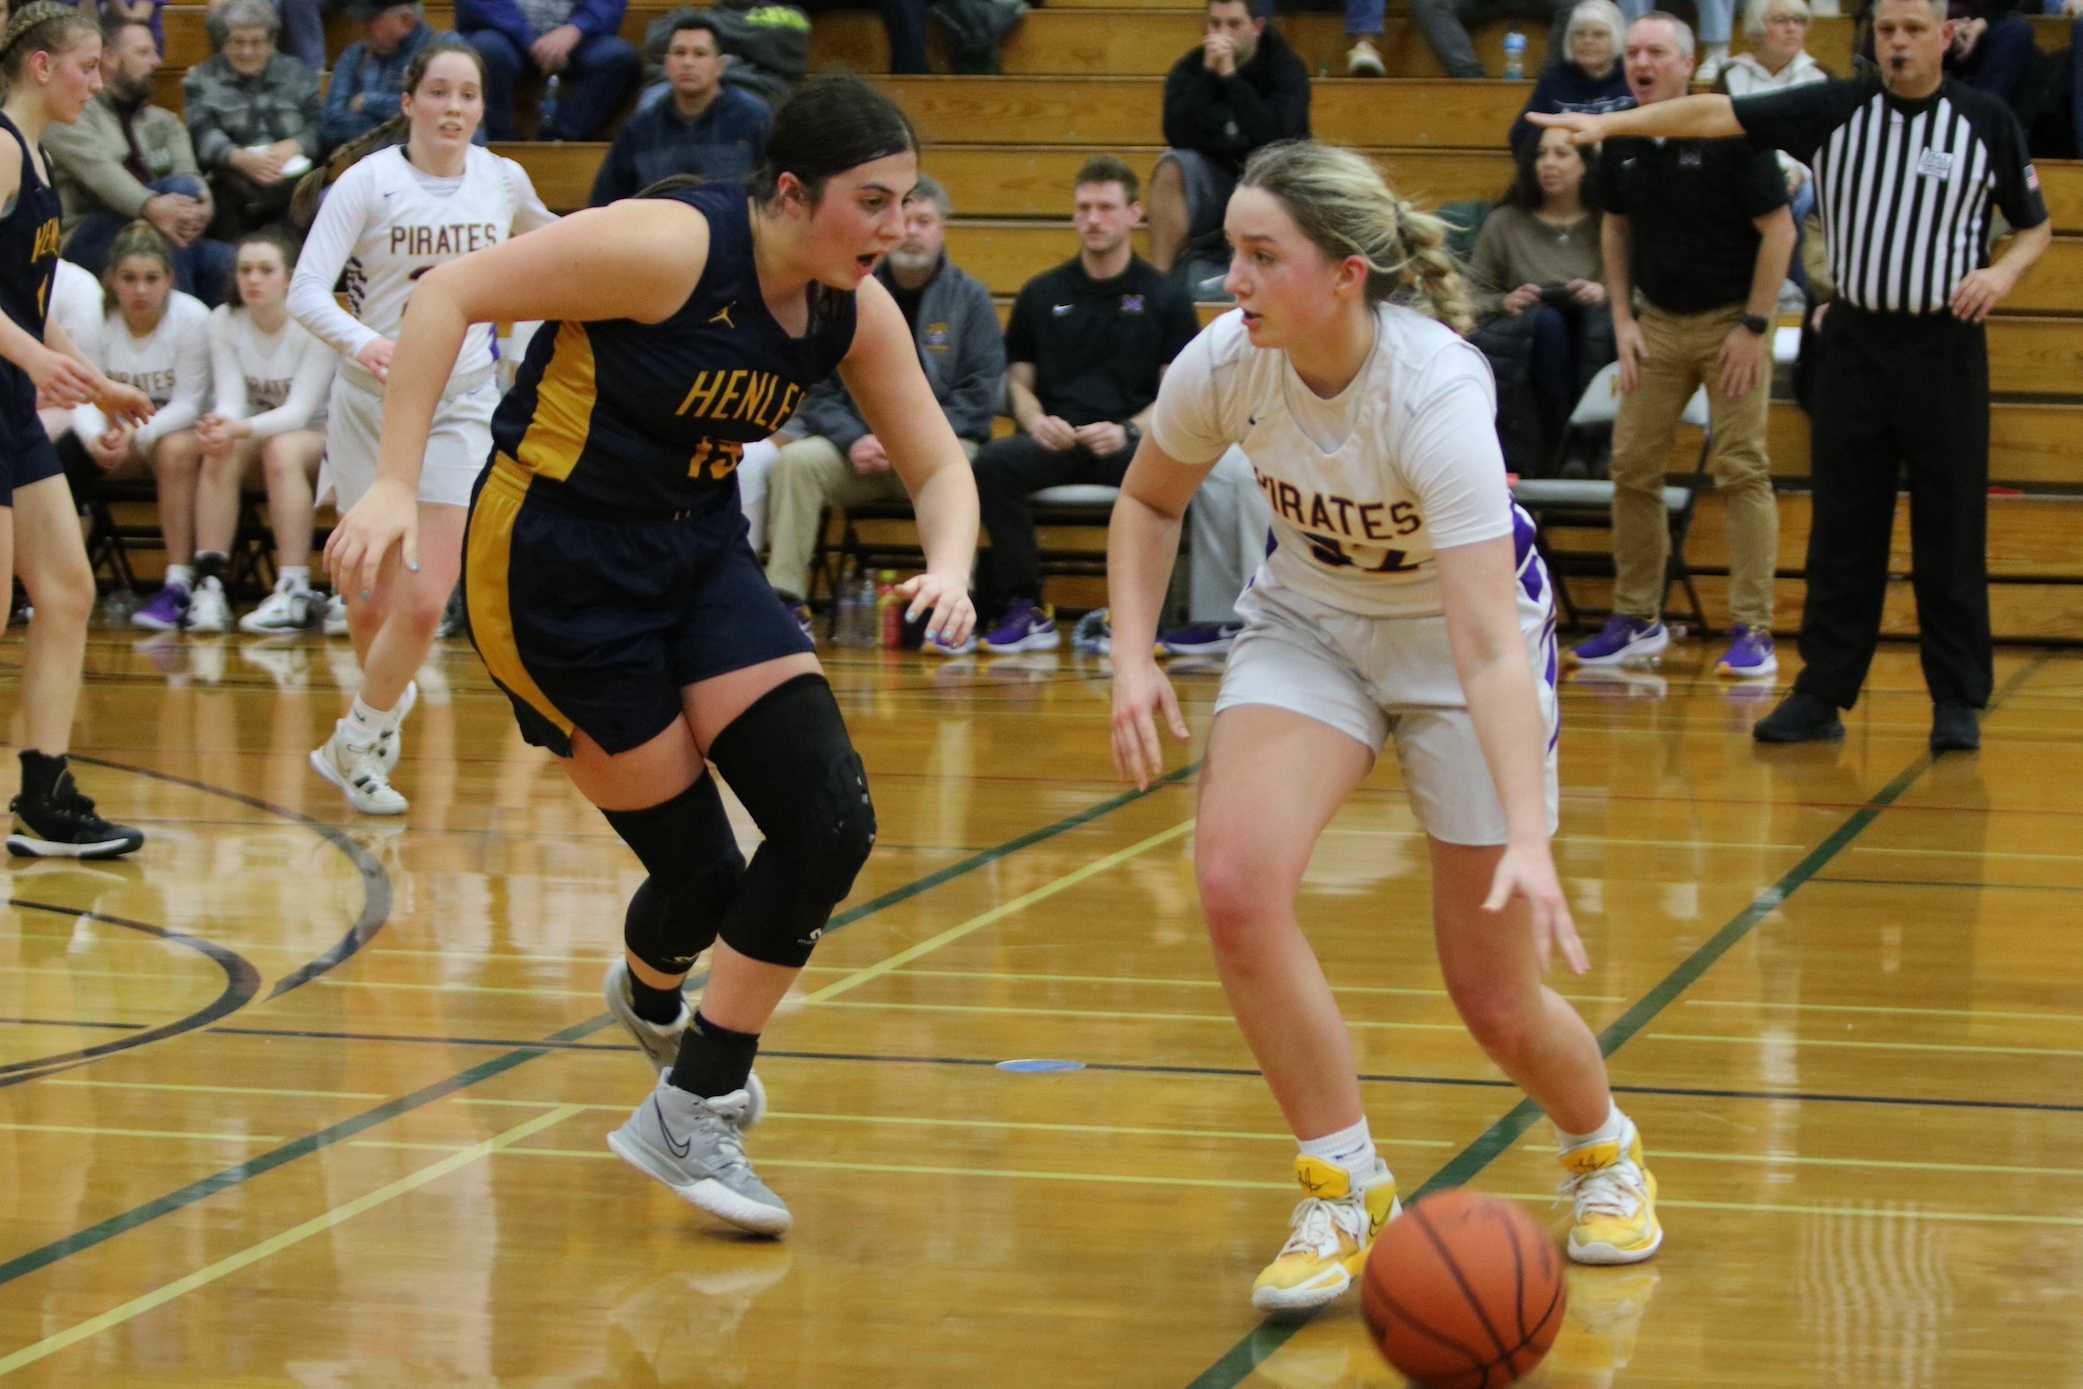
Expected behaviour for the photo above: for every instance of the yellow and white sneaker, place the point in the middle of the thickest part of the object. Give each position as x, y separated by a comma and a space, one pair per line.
1333, 1227
1615, 1199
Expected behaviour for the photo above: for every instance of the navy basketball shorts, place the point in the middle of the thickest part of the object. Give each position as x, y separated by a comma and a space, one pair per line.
26, 454
595, 624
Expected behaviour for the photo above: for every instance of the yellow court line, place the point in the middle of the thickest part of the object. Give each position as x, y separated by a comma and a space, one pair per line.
1965, 853
203, 971
1026, 977
1857, 1211
252, 1254
1564, 841
1117, 1015
1849, 1045
213, 1089
1884, 1011
446, 988
145, 1133
1993, 1169
998, 913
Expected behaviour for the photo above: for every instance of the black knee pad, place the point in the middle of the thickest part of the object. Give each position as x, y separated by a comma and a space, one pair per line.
789, 760
695, 867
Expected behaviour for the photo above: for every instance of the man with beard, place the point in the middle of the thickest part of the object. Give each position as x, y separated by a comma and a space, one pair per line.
699, 126
839, 462
1087, 345
126, 159
1908, 164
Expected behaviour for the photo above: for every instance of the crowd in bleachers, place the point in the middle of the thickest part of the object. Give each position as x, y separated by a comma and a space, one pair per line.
189, 222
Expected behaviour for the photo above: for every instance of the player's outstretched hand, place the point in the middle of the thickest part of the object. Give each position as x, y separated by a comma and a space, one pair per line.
387, 516
1140, 690
126, 407
1530, 873
946, 596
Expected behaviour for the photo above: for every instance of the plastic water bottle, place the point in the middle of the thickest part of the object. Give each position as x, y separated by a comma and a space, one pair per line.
1514, 56
546, 113
889, 612
844, 621
867, 630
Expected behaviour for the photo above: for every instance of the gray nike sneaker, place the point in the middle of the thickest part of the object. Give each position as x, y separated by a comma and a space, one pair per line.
660, 1042
696, 1146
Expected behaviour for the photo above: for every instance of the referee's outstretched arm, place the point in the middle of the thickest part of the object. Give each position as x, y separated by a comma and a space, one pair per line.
1707, 117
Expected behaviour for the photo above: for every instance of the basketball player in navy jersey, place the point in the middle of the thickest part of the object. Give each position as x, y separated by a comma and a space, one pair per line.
612, 594
50, 57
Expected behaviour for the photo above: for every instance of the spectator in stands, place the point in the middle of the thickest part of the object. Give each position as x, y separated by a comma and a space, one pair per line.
149, 13
1241, 88
838, 461
364, 88
253, 116
1362, 31
1087, 345
270, 378
1539, 279
1717, 26
766, 48
1586, 75
1444, 24
155, 338
577, 41
125, 159
1779, 59
703, 128
1992, 48
1701, 229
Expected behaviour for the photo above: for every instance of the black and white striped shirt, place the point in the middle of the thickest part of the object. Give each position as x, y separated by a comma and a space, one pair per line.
1904, 187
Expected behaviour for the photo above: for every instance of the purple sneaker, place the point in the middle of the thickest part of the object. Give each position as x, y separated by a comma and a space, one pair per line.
1025, 627
166, 612
1623, 640
1199, 639
1749, 656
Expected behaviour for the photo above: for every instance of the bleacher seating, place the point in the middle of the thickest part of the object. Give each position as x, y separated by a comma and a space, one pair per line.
1083, 77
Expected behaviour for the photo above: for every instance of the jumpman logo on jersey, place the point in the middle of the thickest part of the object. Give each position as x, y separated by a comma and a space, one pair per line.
722, 316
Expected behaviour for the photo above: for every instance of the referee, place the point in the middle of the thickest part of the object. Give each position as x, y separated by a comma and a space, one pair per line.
1907, 165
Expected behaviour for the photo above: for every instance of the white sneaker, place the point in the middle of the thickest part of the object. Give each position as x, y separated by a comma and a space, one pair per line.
335, 620
287, 609
358, 770
389, 743
208, 610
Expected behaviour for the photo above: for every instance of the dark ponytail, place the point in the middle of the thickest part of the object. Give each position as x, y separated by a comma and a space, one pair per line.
825, 127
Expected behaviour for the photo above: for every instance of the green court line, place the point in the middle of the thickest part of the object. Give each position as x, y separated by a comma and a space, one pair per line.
230, 1177
1259, 1344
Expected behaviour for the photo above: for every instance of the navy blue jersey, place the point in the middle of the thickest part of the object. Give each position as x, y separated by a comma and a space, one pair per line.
28, 245
652, 417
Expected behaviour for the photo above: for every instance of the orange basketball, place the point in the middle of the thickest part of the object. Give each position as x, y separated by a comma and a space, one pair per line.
1463, 1291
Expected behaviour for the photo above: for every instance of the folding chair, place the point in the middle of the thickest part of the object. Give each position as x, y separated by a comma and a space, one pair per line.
1588, 503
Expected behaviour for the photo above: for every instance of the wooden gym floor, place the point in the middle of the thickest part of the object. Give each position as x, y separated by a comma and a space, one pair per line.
296, 1097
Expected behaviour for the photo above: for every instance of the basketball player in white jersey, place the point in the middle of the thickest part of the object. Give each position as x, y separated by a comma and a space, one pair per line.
270, 377
388, 220
1402, 598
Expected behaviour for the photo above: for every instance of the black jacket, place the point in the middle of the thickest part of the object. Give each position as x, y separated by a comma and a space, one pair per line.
1226, 118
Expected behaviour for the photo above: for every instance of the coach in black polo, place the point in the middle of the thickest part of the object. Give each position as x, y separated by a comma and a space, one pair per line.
1907, 165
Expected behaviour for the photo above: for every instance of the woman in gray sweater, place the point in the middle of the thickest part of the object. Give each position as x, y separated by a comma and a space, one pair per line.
1538, 278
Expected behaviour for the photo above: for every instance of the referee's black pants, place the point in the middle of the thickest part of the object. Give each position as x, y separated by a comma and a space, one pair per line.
1896, 389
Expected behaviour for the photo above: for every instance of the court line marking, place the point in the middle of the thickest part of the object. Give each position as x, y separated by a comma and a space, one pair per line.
296, 1234
2000, 1169
1264, 1340
1850, 1044
68, 1082
82, 1240
1880, 1010
1141, 980
1112, 1015
144, 1133
995, 914
1857, 1212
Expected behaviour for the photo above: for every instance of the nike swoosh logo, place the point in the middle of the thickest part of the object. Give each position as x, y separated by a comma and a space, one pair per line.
680, 1148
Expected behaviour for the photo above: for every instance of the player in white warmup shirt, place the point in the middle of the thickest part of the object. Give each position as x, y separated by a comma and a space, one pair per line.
270, 377
388, 220
155, 338
1402, 599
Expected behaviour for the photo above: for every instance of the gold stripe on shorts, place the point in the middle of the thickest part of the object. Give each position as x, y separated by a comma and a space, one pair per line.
487, 563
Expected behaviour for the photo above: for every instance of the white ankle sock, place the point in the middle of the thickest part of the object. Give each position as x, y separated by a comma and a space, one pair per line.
1716, 53
295, 578
1350, 1148
369, 721
1611, 1131
180, 576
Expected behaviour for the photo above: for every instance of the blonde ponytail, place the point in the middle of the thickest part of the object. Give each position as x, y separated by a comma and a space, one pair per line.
1341, 202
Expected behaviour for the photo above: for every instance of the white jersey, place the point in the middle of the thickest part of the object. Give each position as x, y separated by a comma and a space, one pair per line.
1366, 487
276, 381
171, 364
385, 224
77, 305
